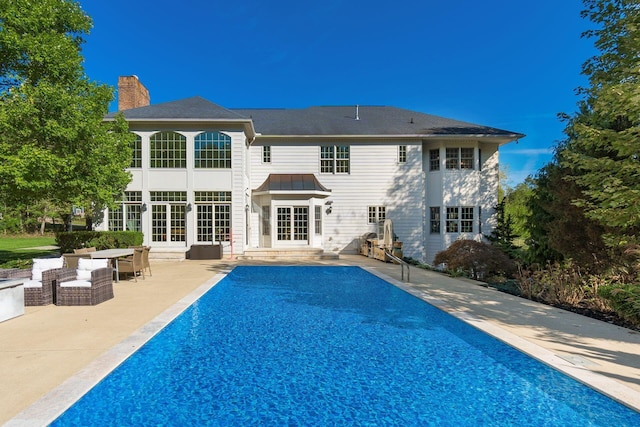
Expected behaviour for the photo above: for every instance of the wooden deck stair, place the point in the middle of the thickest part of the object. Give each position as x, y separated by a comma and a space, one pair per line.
286, 253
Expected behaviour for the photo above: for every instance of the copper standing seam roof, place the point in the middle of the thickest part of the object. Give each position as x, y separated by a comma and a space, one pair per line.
292, 182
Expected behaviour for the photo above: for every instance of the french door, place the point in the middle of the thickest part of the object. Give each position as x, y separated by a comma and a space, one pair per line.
168, 223
292, 224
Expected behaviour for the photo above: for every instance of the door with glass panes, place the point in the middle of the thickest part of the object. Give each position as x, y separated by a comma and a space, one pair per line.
292, 225
168, 224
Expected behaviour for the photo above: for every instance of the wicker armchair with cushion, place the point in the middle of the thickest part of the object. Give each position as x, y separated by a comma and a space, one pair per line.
90, 284
39, 289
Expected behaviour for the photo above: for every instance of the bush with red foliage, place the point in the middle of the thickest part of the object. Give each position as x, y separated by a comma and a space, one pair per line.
477, 260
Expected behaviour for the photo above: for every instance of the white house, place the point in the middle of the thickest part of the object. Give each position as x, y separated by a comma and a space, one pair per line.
317, 177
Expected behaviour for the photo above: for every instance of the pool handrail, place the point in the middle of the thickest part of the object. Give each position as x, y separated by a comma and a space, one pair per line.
402, 264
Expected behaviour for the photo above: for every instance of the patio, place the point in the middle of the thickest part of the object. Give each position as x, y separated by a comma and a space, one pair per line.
49, 344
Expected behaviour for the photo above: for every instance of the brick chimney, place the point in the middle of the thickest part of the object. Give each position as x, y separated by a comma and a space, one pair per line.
131, 93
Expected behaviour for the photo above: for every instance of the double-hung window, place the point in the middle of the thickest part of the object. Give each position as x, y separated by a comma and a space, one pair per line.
459, 158
334, 159
459, 219
434, 160
434, 220
402, 154
266, 154
376, 214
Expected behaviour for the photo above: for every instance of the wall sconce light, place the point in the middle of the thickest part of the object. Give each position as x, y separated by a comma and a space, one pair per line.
189, 207
328, 211
144, 207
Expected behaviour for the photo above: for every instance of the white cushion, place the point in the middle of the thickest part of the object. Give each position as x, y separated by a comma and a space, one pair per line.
32, 284
92, 264
76, 284
83, 274
44, 264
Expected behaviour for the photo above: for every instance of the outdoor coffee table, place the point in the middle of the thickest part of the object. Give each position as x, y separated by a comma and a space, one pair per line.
112, 255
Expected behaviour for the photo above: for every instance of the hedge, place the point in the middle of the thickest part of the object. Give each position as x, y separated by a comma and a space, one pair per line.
70, 240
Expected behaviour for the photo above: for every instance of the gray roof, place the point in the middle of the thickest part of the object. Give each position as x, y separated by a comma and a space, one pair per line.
195, 108
320, 121
371, 120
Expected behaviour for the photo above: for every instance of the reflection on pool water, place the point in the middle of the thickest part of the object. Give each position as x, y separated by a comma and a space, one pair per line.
332, 346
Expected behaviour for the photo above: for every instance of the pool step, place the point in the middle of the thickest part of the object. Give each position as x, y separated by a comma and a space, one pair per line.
287, 253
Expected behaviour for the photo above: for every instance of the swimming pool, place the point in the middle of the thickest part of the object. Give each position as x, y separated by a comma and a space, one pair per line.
331, 346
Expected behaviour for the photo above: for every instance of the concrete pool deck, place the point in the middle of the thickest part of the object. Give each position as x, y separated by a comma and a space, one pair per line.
51, 350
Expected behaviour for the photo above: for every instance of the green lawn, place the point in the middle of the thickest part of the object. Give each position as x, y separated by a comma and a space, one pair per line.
17, 251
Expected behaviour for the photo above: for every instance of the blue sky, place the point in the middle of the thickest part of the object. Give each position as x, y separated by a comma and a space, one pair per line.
509, 64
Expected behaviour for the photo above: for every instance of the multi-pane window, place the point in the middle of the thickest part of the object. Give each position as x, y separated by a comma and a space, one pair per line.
128, 215
266, 154
376, 214
318, 219
434, 160
459, 158
136, 149
335, 159
168, 150
266, 220
402, 154
212, 150
434, 220
168, 196
168, 212
466, 158
453, 159
213, 215
453, 217
466, 219
460, 219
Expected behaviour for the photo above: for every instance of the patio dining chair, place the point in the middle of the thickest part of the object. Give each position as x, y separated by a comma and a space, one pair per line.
145, 257
132, 264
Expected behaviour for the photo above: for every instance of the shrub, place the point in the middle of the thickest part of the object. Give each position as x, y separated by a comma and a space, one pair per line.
563, 284
625, 300
68, 241
475, 259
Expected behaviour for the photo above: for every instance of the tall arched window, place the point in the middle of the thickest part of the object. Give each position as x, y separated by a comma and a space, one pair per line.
212, 151
168, 150
136, 148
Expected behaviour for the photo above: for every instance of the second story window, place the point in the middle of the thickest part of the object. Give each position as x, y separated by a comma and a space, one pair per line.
402, 154
335, 159
212, 151
434, 160
459, 158
168, 150
136, 148
266, 154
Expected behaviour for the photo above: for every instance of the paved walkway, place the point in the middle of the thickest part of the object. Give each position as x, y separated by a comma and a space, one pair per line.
50, 345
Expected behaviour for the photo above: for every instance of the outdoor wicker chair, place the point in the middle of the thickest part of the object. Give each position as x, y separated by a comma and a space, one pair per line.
145, 257
132, 264
84, 250
73, 288
38, 289
5, 272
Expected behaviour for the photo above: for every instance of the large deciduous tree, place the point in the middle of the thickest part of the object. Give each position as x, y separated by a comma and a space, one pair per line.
54, 145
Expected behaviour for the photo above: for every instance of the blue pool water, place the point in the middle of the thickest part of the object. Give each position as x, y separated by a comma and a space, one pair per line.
319, 346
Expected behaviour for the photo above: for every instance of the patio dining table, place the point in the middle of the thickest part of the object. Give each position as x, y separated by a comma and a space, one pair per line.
112, 255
